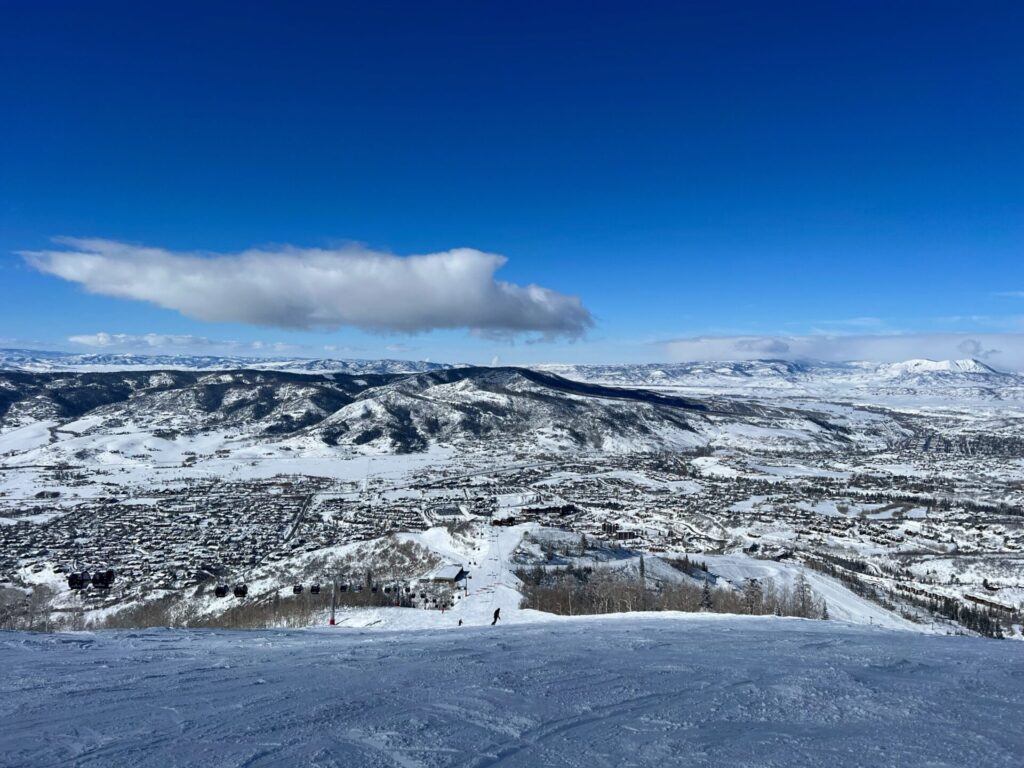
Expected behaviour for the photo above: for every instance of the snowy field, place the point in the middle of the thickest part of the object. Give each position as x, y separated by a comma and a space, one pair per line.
615, 691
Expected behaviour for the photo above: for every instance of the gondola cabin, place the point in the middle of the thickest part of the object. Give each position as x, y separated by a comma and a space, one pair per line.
78, 580
103, 579
221, 590
314, 589
297, 589
241, 590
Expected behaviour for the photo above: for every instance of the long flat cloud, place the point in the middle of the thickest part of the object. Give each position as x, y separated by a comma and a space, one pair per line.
304, 288
104, 340
1005, 350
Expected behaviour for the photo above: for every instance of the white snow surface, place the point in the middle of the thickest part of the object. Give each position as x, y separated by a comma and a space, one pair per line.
624, 690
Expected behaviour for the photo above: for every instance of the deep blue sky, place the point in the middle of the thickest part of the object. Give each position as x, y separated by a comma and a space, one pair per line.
685, 169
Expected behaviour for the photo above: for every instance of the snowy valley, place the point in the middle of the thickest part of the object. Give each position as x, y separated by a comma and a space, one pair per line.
739, 564
899, 487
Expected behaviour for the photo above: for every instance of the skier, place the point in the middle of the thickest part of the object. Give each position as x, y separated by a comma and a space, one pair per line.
460, 622
497, 615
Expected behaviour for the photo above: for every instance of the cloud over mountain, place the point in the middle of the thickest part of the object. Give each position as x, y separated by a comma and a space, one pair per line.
313, 288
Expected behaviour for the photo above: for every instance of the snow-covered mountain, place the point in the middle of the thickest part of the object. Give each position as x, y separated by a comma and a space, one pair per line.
31, 360
930, 367
967, 377
948, 379
929, 378
467, 408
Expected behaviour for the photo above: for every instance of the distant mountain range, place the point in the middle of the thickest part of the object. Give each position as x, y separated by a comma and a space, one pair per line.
58, 416
32, 360
949, 379
959, 379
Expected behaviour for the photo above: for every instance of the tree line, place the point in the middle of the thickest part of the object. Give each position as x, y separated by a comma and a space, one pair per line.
576, 590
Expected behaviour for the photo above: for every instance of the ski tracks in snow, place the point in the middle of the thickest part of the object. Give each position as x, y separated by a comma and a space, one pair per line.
616, 691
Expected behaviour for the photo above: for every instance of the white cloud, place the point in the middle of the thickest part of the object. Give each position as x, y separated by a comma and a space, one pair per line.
1004, 350
152, 340
273, 346
304, 288
178, 343
761, 346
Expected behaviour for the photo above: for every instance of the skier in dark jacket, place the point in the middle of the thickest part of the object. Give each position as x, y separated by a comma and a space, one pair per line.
497, 615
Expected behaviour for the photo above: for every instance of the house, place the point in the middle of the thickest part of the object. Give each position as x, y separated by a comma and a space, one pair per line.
446, 574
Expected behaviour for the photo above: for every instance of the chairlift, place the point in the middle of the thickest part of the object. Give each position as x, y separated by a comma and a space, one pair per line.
221, 590
103, 579
78, 580
297, 589
241, 590
314, 589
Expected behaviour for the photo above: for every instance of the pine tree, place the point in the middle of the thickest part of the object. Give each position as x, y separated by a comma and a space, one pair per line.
643, 584
824, 611
707, 602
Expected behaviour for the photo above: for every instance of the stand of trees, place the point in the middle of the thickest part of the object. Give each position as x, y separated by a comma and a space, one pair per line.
29, 610
575, 591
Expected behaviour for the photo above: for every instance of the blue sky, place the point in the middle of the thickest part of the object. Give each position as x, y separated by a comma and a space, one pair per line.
682, 179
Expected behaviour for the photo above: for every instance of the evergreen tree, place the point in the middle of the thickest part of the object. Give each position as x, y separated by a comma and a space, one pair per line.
707, 602
824, 610
643, 584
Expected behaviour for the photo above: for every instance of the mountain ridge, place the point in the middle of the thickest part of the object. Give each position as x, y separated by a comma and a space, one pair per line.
45, 360
403, 413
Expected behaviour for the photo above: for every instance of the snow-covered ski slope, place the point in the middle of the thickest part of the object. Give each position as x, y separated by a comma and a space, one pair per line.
625, 690
486, 553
